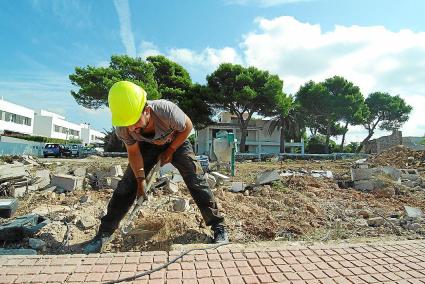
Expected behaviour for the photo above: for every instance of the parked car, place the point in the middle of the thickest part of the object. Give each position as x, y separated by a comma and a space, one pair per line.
56, 150
75, 149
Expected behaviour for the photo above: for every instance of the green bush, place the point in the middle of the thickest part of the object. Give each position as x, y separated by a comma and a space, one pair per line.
39, 139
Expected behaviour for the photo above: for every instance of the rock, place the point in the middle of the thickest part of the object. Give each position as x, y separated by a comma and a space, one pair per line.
114, 182
267, 177
410, 159
50, 209
29, 160
319, 174
37, 244
211, 180
180, 205
414, 227
361, 223
85, 198
237, 186
67, 182
18, 191
80, 172
410, 174
376, 221
61, 197
172, 187
87, 222
364, 213
220, 178
21, 227
246, 193
413, 213
116, 171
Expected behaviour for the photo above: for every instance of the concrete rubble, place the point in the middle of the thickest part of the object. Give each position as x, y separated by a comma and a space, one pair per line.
181, 204
67, 183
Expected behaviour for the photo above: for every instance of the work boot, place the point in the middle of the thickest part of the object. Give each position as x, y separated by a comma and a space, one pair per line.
97, 243
220, 234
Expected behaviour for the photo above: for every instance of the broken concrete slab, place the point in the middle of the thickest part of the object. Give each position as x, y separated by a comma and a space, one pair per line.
220, 178
267, 177
17, 251
36, 244
319, 174
18, 192
10, 172
80, 172
42, 178
22, 227
8, 207
67, 182
172, 187
181, 204
211, 180
114, 182
116, 171
237, 186
413, 212
50, 209
359, 174
168, 169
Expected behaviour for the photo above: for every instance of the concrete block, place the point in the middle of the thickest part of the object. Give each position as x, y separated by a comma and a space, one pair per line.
18, 191
358, 174
114, 182
237, 186
318, 174
43, 178
181, 205
67, 182
413, 212
8, 172
116, 171
267, 177
8, 207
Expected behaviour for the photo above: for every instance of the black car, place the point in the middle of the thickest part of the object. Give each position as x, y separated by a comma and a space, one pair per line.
56, 150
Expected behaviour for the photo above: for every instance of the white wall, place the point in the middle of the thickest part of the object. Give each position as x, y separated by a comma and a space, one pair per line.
91, 136
16, 118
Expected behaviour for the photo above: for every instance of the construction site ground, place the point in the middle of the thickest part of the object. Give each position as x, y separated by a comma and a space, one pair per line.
302, 209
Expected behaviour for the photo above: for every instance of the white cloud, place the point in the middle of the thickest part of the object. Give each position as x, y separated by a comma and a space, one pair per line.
204, 62
263, 3
147, 48
124, 16
374, 58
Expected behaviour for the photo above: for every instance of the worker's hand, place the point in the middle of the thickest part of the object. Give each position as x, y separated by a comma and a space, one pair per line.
166, 156
140, 189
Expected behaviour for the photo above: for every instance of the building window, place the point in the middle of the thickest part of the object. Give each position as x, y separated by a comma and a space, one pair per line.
15, 118
57, 128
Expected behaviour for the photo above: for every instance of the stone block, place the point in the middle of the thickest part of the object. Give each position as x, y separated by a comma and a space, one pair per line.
43, 178
116, 171
114, 182
367, 185
67, 182
180, 205
18, 191
413, 212
267, 177
410, 174
237, 186
80, 172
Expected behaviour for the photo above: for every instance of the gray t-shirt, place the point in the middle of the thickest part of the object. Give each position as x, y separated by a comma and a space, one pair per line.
168, 119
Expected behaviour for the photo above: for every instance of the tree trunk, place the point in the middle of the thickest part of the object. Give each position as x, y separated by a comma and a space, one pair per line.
343, 136
243, 139
371, 132
328, 135
282, 140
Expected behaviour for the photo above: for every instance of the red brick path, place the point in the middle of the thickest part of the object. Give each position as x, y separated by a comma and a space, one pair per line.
391, 262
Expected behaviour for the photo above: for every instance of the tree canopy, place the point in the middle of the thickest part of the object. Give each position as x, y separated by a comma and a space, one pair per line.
243, 92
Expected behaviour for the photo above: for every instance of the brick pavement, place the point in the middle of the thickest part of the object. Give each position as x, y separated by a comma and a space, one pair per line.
385, 262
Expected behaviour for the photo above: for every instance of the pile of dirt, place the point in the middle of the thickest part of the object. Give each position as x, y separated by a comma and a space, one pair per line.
400, 157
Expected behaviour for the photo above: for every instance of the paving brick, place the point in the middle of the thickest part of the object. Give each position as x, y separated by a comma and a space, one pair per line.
189, 274
174, 274
266, 278
220, 280
77, 277
231, 271
217, 272
58, 278
251, 279
203, 273
236, 280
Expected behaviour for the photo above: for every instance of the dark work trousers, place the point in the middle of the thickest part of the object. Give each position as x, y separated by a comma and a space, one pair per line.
191, 171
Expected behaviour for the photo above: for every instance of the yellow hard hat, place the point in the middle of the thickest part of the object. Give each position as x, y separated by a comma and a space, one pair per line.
126, 101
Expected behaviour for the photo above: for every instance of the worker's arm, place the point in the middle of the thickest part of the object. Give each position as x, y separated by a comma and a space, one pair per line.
167, 156
135, 159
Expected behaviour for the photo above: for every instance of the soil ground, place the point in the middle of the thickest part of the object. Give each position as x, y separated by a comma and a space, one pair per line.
300, 208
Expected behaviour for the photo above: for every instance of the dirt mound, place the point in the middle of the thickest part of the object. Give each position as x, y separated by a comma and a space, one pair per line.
399, 157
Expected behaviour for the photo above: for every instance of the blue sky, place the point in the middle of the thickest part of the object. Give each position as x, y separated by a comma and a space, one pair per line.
378, 45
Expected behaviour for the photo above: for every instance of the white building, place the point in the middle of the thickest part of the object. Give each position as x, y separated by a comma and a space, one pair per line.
15, 118
91, 136
52, 125
258, 138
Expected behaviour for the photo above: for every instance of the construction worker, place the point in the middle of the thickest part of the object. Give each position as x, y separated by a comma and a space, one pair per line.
151, 131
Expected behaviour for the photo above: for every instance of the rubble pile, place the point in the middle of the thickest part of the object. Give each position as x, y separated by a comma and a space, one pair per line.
400, 157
